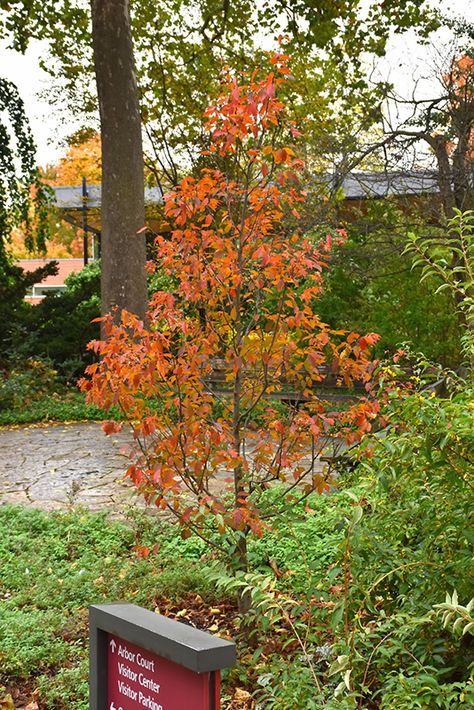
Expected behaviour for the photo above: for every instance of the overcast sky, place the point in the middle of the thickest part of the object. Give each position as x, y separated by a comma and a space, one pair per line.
404, 59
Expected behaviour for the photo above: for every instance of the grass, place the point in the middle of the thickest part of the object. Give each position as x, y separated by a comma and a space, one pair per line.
54, 565
70, 405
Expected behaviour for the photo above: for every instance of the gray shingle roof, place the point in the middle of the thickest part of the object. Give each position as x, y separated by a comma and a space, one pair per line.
361, 186
70, 198
366, 185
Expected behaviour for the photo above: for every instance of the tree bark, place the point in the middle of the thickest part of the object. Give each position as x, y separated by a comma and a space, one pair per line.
123, 283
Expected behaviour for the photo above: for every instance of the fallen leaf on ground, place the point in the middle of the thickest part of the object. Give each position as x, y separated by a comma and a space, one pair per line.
6, 703
242, 700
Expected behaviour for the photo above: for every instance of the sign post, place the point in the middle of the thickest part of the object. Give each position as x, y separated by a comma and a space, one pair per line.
139, 659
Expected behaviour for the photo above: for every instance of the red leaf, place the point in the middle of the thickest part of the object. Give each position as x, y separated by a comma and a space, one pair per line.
111, 427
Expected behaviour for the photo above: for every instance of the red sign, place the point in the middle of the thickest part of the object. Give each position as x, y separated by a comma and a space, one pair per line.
139, 679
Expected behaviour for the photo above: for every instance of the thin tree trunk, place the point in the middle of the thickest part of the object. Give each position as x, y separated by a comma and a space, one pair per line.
123, 282
244, 597
444, 176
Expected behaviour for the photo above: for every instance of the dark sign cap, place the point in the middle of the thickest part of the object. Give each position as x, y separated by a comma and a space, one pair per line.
189, 647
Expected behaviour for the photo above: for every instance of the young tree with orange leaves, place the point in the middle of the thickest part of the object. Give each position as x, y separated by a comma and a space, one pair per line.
246, 291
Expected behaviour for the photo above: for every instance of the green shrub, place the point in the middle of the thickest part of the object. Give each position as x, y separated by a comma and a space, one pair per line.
411, 545
25, 382
14, 310
60, 326
68, 688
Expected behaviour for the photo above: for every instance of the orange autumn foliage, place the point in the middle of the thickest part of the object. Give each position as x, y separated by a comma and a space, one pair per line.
246, 291
460, 85
81, 160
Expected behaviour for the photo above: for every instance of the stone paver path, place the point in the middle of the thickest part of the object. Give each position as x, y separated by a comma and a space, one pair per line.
66, 464
61, 465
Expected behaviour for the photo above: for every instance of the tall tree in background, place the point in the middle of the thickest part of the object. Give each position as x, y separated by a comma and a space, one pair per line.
444, 124
180, 48
22, 196
23, 203
123, 211
82, 159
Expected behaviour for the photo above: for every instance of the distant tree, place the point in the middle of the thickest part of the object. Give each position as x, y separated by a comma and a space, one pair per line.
23, 199
82, 159
444, 123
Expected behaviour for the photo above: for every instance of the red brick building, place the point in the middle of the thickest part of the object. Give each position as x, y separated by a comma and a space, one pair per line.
51, 284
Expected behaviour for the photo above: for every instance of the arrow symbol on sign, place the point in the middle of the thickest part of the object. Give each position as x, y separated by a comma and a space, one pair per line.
113, 646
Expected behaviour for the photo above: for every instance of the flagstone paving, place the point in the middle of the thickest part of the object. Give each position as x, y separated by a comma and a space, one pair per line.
56, 466
61, 465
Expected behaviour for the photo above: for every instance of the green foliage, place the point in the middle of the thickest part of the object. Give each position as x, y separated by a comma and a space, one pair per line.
351, 589
69, 688
18, 174
451, 261
454, 613
54, 566
425, 691
303, 544
375, 559
159, 281
59, 327
325, 40
64, 405
400, 558
14, 284
44, 646
57, 330
372, 285
26, 382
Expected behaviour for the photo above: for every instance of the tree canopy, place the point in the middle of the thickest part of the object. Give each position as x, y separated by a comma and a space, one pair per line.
181, 48
22, 196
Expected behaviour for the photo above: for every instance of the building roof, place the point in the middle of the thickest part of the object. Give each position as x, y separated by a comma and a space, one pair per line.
70, 197
365, 185
65, 267
356, 185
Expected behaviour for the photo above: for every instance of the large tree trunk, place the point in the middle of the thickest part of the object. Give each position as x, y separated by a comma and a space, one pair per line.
123, 213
